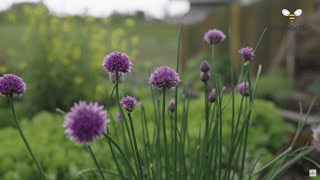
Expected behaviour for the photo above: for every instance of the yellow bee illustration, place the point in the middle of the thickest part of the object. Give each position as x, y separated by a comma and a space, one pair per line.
286, 12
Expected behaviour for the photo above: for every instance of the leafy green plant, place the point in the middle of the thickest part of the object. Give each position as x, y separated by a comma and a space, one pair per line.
266, 126
275, 85
6, 114
58, 51
60, 158
64, 160
202, 158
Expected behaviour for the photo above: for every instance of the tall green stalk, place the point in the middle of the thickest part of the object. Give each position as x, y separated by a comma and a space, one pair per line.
156, 136
176, 109
25, 139
135, 145
125, 122
165, 131
95, 161
206, 111
235, 132
114, 158
172, 132
246, 126
212, 53
122, 153
110, 145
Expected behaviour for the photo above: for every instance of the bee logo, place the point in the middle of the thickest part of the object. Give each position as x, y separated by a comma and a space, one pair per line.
285, 12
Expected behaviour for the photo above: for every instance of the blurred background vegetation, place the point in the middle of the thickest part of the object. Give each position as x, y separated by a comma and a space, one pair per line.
60, 59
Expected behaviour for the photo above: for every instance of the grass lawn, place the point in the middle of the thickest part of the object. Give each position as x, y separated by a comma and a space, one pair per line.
157, 42
10, 35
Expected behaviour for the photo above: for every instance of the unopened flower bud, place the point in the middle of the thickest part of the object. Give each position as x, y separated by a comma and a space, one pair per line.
212, 95
172, 105
205, 77
244, 88
204, 66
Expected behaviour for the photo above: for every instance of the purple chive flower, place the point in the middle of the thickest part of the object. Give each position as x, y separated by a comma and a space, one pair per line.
172, 105
205, 76
204, 66
316, 138
247, 53
243, 88
117, 62
164, 77
86, 122
113, 79
118, 117
129, 103
11, 84
212, 95
214, 36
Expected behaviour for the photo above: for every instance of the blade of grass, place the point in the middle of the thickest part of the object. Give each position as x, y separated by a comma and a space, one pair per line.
95, 161
94, 169
126, 123
254, 166
289, 150
109, 138
176, 108
291, 162
115, 159
135, 145
25, 139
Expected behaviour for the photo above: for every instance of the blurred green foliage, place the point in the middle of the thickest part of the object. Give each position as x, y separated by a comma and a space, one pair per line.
276, 85
6, 118
51, 52
63, 58
60, 159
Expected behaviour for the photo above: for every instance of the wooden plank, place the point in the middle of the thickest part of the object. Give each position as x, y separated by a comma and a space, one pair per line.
246, 25
275, 36
235, 33
295, 117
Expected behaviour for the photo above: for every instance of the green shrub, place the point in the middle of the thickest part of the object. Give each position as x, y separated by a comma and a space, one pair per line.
6, 118
60, 158
276, 85
62, 57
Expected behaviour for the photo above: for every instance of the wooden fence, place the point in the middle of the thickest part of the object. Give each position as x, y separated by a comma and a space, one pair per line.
245, 24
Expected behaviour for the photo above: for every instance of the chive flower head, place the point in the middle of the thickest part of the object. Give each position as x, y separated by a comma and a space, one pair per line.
11, 84
86, 122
